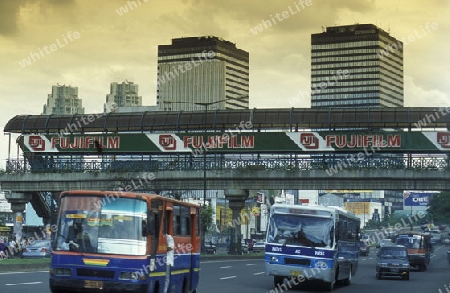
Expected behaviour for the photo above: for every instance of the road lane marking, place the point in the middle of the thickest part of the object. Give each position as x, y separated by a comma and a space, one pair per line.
260, 273
29, 283
226, 278
15, 273
227, 267
250, 264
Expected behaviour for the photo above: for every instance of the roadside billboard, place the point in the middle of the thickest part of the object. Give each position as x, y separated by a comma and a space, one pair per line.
5, 206
358, 208
417, 198
246, 141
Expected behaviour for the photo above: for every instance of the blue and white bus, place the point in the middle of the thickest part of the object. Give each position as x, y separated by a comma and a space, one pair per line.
113, 241
311, 243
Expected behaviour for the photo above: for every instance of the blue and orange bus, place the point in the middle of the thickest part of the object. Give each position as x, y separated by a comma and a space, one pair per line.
116, 241
311, 243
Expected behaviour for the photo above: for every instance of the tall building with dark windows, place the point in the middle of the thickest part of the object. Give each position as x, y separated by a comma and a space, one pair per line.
202, 70
357, 65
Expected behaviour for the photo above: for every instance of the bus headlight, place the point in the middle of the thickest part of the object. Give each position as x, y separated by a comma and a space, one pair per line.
321, 264
133, 276
274, 259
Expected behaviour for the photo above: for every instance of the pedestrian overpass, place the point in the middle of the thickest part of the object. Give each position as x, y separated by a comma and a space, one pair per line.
253, 149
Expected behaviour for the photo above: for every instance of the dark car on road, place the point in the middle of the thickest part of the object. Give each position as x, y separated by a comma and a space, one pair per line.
392, 261
37, 249
364, 248
210, 248
384, 242
259, 247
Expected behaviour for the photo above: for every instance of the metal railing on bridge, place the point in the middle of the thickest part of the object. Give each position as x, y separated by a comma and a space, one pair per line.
223, 163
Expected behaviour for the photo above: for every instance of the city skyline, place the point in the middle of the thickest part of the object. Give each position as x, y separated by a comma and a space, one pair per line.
89, 45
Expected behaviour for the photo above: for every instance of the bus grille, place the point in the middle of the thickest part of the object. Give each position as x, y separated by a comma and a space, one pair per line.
95, 273
297, 261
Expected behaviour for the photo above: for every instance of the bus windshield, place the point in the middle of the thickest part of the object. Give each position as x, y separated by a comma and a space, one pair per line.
301, 230
414, 242
96, 225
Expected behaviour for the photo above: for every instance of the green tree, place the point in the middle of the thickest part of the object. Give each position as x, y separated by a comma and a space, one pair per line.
439, 207
371, 224
206, 221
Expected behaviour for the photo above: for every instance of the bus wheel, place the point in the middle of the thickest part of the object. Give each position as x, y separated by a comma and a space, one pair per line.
277, 280
185, 287
348, 281
155, 288
329, 286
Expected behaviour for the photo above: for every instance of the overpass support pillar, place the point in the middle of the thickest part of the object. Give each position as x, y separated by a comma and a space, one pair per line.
236, 199
18, 202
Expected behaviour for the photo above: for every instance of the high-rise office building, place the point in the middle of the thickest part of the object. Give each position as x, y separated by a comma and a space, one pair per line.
357, 65
63, 101
202, 70
123, 94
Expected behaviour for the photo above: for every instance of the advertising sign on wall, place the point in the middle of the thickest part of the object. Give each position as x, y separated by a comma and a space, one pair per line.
243, 142
416, 198
5, 206
358, 208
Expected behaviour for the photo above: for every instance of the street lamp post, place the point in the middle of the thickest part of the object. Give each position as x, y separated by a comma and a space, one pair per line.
205, 130
205, 139
364, 214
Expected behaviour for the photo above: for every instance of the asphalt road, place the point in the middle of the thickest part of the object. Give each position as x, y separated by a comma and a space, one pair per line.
247, 275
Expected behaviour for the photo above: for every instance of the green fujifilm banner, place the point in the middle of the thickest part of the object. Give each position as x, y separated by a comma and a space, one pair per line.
270, 142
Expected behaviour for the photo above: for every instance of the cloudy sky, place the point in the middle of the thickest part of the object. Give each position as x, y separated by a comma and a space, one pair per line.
90, 44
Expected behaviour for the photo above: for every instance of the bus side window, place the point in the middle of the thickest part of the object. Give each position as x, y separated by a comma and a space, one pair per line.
185, 223
154, 220
343, 230
167, 223
331, 240
197, 224
176, 220
144, 226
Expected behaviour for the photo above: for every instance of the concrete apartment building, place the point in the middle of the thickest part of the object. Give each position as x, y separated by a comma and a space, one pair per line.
63, 101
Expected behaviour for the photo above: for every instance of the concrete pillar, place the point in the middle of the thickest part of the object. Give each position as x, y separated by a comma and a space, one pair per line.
18, 202
236, 199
